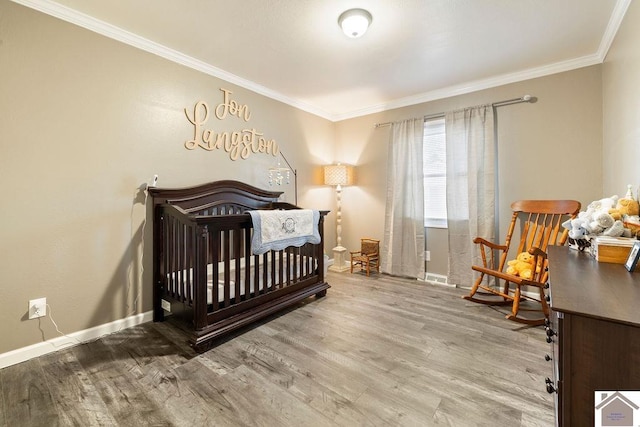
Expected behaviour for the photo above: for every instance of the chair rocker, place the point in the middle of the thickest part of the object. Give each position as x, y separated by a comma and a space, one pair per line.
368, 256
540, 226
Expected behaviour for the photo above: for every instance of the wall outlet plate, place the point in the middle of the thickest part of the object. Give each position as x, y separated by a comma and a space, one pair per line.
166, 305
37, 308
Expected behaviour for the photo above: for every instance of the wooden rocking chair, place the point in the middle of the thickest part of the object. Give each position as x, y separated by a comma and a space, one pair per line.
540, 226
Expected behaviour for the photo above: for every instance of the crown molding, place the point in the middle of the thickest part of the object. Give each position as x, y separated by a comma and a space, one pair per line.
475, 86
619, 10
85, 21
116, 33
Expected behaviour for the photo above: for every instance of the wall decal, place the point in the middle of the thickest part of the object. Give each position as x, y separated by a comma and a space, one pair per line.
239, 144
230, 106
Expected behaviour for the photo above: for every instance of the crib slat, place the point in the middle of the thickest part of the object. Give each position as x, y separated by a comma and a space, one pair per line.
182, 241
265, 273
273, 270
288, 266
173, 270
292, 268
214, 250
164, 275
200, 300
227, 267
236, 256
304, 268
256, 275
166, 250
190, 284
247, 263
280, 269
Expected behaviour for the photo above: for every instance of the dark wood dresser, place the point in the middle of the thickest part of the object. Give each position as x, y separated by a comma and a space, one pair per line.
594, 332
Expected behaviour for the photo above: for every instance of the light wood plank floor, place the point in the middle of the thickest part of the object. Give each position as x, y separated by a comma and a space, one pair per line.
374, 352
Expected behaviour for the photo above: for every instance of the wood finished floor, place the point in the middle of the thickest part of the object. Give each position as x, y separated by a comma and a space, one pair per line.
374, 352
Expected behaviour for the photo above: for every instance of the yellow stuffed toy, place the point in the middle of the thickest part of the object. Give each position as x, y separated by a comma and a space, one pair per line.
627, 206
522, 266
623, 208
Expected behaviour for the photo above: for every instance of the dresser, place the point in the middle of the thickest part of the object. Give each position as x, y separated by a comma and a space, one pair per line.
593, 331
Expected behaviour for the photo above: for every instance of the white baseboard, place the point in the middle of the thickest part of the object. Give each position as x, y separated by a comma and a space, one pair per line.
26, 353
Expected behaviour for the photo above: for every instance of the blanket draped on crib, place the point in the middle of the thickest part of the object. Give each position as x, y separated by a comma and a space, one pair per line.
278, 229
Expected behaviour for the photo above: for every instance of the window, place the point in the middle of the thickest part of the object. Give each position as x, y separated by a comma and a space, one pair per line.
435, 174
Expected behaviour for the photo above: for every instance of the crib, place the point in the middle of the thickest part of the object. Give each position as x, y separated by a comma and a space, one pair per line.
206, 279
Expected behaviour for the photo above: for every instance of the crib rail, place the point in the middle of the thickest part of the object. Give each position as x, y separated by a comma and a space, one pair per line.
205, 265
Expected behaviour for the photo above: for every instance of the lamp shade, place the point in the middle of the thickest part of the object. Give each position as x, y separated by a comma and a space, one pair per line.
338, 174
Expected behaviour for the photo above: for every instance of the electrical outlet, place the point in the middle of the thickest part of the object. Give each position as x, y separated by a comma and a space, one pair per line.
166, 305
427, 255
37, 308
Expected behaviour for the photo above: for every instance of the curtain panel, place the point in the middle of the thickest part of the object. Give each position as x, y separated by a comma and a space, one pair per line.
471, 197
403, 243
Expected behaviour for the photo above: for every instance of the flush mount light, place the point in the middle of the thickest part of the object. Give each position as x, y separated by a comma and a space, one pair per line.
354, 22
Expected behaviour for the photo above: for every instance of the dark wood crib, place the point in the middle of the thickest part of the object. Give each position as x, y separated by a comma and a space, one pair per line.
205, 277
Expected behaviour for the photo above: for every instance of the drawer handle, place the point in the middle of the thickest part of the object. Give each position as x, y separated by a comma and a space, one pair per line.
550, 388
550, 334
547, 357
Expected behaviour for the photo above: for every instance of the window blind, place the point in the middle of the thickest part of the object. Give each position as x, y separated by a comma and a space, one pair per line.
435, 181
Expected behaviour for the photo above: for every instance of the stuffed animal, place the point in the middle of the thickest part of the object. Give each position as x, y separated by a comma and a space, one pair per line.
609, 216
522, 266
576, 229
603, 204
597, 219
625, 207
632, 223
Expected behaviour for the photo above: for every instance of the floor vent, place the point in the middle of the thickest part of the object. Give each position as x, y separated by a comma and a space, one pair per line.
437, 279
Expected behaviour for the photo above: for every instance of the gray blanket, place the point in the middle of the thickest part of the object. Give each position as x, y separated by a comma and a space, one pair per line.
278, 229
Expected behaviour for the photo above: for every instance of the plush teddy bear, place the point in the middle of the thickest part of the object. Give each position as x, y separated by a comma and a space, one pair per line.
522, 266
625, 207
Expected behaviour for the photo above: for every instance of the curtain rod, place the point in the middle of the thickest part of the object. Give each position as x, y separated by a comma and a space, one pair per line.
525, 98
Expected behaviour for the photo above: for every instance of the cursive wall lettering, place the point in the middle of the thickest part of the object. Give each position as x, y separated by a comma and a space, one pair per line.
239, 144
230, 106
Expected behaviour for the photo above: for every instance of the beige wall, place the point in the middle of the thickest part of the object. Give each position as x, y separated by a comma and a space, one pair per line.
621, 100
85, 121
548, 149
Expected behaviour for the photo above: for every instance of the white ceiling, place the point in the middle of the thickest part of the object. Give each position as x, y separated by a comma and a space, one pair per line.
414, 51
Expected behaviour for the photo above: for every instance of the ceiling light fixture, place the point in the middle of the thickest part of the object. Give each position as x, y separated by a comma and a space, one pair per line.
354, 22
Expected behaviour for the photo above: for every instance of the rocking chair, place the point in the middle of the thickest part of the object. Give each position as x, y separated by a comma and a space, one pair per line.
540, 226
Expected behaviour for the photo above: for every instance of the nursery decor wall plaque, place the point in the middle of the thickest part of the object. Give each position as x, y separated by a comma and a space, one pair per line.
240, 144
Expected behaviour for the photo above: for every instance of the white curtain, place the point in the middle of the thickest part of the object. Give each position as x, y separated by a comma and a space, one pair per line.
403, 243
470, 187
